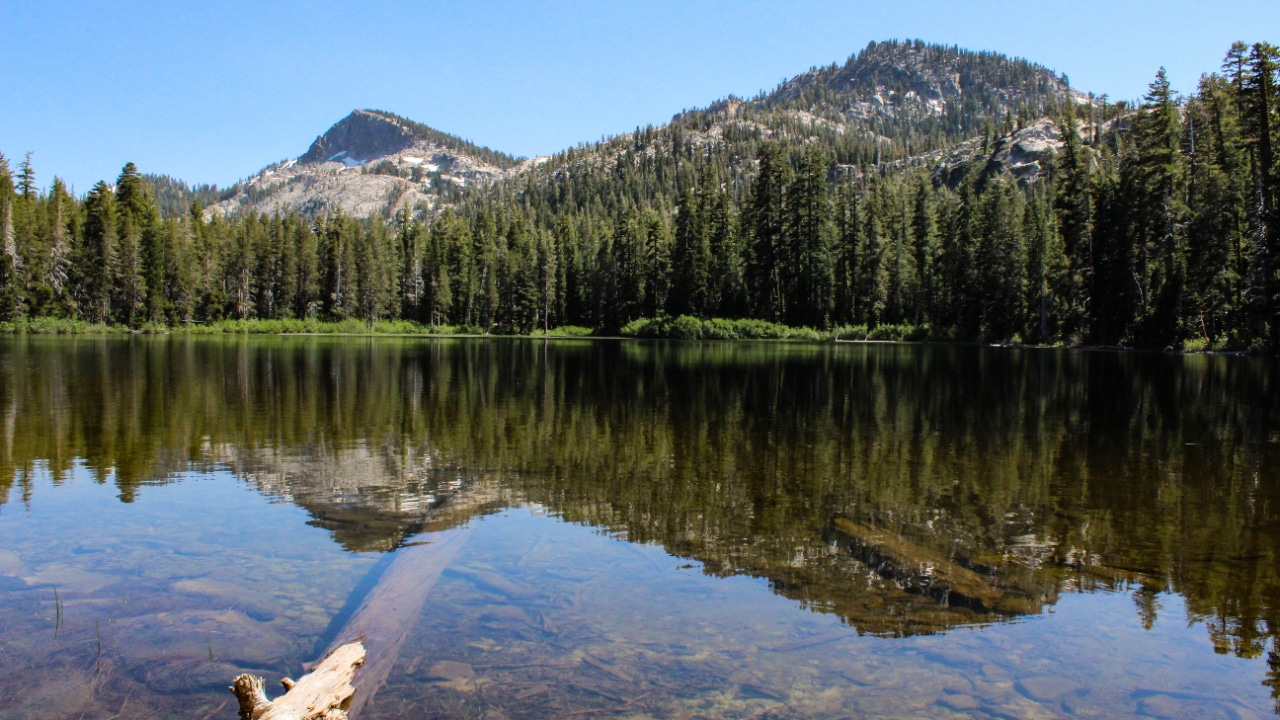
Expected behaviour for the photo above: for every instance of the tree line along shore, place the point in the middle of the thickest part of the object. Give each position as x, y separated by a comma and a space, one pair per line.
1153, 226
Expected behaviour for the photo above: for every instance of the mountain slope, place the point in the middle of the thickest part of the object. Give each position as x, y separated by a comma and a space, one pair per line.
903, 102
368, 162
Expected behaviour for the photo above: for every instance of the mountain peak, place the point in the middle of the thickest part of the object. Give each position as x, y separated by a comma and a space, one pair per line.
915, 79
369, 162
361, 136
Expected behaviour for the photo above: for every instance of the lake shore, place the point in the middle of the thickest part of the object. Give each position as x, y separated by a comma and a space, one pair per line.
662, 328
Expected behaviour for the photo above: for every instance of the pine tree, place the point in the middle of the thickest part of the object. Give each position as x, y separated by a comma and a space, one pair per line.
1075, 223
807, 239
1001, 263
1159, 211
551, 279
139, 268
845, 254
286, 265
1259, 87
27, 178
373, 258
59, 266
689, 259
413, 286
97, 256
12, 286
765, 219
871, 274
924, 253
180, 272
630, 250
656, 263
1115, 286
727, 295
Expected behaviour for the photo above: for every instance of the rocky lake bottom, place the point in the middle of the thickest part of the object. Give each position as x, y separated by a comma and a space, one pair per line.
663, 532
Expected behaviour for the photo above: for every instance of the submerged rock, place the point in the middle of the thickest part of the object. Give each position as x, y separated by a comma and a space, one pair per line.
70, 578
183, 677
11, 564
960, 703
1168, 707
953, 658
253, 604
1048, 688
451, 670
225, 635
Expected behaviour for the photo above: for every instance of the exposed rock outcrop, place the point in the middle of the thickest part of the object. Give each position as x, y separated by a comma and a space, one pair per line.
369, 162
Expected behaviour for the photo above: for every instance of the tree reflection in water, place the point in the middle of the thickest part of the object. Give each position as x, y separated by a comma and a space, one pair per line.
906, 489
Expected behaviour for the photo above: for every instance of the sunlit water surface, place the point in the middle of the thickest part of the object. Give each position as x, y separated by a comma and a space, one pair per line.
665, 530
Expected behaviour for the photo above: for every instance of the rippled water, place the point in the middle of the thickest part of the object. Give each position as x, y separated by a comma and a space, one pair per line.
646, 530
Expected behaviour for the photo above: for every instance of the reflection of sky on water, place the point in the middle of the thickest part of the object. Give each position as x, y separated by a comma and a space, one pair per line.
817, 530
681, 641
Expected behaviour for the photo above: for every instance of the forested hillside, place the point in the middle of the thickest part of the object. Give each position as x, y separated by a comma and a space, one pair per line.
957, 195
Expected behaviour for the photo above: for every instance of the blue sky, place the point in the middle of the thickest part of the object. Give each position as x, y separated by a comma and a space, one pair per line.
213, 91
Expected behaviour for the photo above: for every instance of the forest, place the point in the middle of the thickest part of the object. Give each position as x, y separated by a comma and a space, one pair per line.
1152, 227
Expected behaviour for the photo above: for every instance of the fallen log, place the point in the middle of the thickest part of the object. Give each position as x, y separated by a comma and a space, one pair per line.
358, 661
323, 694
389, 613
362, 654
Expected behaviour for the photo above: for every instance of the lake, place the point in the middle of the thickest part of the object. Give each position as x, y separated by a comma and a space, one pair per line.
640, 530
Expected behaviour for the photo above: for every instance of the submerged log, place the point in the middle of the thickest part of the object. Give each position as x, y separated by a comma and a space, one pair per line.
390, 612
362, 654
341, 684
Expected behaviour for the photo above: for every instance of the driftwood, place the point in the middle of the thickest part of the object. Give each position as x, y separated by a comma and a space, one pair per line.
379, 626
390, 611
362, 654
323, 694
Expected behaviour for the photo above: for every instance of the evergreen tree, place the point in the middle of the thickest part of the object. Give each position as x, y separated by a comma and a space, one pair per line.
1001, 263
690, 257
12, 286
765, 220
59, 265
924, 253
808, 232
97, 256
413, 284
1259, 88
728, 290
845, 254
1075, 223
1160, 209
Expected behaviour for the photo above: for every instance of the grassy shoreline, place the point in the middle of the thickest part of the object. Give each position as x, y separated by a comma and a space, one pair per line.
662, 328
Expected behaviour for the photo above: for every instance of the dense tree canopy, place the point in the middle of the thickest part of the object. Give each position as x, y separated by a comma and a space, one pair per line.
1154, 225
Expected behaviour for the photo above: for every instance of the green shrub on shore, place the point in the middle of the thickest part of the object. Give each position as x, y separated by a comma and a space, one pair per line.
54, 326
899, 333
685, 327
565, 331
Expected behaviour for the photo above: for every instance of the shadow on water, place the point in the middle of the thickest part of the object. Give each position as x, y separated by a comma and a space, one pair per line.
905, 490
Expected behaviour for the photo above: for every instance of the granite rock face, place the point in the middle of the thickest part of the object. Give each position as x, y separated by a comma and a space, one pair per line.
368, 163
359, 137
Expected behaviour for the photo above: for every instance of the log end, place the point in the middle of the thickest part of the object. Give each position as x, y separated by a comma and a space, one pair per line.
252, 693
323, 694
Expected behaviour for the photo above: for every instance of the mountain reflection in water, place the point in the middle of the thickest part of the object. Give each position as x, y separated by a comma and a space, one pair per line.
908, 490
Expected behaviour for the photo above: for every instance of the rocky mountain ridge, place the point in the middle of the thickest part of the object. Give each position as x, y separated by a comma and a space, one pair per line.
368, 162
913, 103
